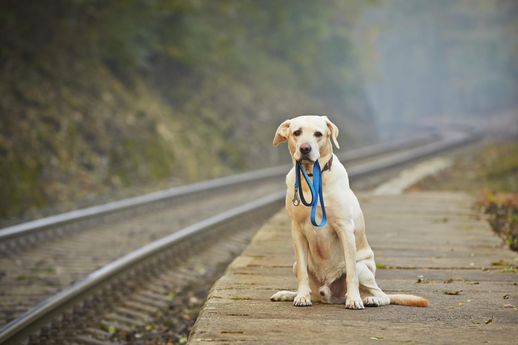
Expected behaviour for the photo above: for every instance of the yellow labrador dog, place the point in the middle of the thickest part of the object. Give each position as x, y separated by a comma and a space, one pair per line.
334, 264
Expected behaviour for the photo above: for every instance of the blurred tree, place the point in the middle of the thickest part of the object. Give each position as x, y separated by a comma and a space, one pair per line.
100, 95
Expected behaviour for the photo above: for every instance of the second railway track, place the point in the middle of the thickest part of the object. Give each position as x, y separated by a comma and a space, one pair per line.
56, 263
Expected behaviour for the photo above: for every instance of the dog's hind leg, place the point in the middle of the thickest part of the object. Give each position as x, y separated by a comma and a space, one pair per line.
284, 296
372, 295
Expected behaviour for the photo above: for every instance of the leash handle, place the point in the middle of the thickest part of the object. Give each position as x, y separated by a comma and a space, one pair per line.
315, 187
298, 169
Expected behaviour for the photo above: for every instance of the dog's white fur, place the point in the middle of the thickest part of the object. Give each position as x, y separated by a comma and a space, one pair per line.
334, 263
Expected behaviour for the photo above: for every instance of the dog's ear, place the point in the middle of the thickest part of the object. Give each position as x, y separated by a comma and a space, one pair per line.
281, 135
333, 130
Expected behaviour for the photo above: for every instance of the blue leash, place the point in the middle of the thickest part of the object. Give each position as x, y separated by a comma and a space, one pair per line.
315, 187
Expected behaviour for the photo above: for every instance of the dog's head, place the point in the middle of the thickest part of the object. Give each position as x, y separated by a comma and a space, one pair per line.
309, 136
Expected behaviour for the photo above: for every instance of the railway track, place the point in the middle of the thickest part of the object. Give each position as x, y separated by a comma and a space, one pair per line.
40, 258
55, 252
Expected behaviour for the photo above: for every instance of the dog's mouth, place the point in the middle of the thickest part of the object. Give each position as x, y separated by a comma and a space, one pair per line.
305, 159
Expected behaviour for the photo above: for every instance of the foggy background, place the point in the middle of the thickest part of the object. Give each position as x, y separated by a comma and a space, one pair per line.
105, 99
441, 60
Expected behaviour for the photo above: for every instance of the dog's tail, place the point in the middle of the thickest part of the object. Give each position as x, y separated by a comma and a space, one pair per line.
408, 300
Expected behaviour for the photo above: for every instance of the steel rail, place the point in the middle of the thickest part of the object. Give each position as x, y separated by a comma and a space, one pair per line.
449, 141
92, 281
37, 316
23, 229
393, 145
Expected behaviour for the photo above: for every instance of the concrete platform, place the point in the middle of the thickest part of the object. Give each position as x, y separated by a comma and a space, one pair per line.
431, 244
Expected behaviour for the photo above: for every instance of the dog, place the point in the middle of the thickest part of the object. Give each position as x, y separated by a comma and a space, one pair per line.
334, 264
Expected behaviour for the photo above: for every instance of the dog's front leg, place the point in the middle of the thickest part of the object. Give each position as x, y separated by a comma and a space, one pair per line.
345, 232
300, 243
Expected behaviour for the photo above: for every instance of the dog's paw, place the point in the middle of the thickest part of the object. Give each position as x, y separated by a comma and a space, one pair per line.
302, 301
353, 301
283, 296
372, 301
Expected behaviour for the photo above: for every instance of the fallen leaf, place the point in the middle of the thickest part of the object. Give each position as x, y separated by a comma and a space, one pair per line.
509, 269
377, 338
500, 263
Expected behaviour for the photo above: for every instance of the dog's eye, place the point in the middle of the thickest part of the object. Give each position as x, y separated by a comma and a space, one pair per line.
318, 134
297, 132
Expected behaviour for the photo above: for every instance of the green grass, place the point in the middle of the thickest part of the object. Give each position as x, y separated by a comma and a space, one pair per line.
493, 168
491, 173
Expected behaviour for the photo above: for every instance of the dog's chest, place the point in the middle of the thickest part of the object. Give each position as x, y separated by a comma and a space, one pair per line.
323, 242
301, 213
320, 240
325, 255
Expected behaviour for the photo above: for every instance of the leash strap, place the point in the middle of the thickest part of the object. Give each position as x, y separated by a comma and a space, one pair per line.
315, 187
298, 186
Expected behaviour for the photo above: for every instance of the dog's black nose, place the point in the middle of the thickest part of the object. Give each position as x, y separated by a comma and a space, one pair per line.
305, 149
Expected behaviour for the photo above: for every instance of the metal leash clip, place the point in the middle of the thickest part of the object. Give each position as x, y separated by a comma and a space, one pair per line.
296, 200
